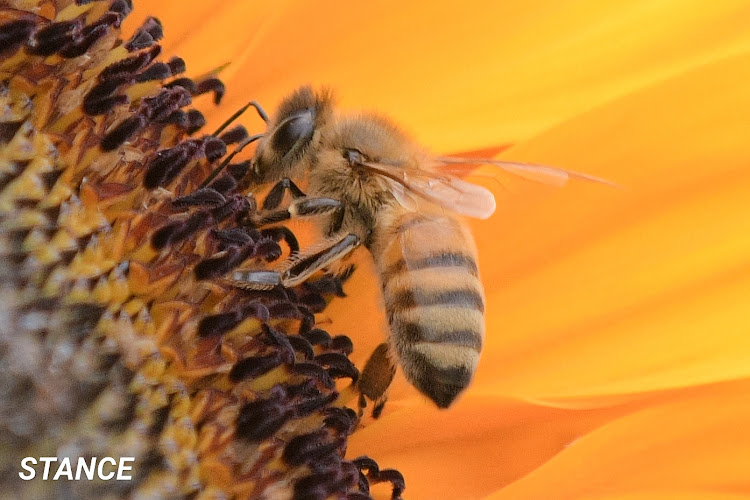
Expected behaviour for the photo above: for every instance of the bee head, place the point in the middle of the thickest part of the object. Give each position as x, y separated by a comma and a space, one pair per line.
282, 151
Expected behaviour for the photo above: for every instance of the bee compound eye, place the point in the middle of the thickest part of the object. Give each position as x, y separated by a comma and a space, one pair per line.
293, 133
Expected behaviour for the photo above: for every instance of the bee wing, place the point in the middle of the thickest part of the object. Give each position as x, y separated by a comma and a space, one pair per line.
455, 194
405, 198
443, 190
538, 173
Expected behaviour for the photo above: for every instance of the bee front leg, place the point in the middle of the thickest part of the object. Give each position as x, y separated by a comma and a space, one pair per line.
298, 267
276, 194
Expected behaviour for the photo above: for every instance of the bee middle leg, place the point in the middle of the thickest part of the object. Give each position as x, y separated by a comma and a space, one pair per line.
301, 206
306, 207
298, 267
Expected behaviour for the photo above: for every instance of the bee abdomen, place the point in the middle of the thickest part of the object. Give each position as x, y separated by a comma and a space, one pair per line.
453, 317
434, 302
442, 383
439, 260
439, 344
417, 335
459, 297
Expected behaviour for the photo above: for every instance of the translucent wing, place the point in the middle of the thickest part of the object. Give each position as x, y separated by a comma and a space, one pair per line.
537, 173
405, 198
443, 190
455, 194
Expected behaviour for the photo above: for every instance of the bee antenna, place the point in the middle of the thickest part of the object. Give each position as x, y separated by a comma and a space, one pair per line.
226, 161
261, 112
239, 112
232, 118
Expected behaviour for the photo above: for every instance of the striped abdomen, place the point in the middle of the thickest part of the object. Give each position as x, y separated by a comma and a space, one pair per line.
434, 301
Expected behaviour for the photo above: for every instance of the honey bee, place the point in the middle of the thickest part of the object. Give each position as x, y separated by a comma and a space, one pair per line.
374, 186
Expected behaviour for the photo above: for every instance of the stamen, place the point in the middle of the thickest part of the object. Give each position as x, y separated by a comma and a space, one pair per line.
310, 448
196, 121
302, 346
15, 34
179, 118
338, 365
124, 7
255, 366
177, 65
311, 404
233, 237
119, 234
124, 69
157, 71
259, 420
239, 170
343, 344
118, 135
316, 336
342, 420
100, 99
234, 135
256, 310
216, 267
48, 40
89, 36
280, 340
212, 85
316, 371
218, 324
149, 33
224, 184
185, 83
206, 197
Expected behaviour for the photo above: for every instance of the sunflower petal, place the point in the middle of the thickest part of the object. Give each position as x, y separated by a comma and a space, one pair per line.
594, 292
509, 70
499, 440
699, 442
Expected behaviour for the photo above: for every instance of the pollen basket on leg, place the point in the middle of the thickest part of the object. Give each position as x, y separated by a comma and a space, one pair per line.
121, 334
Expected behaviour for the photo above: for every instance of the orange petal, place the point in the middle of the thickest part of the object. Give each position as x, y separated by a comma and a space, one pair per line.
481, 445
594, 291
672, 495
699, 443
484, 74
206, 34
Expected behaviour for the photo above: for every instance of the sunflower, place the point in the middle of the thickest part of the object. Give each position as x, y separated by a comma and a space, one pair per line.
617, 357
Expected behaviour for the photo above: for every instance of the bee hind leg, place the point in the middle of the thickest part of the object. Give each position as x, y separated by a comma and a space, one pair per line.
375, 379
